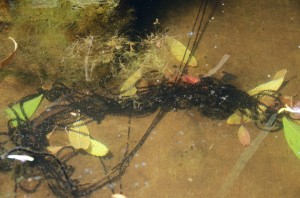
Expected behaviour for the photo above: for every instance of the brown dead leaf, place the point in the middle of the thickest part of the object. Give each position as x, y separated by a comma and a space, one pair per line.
244, 136
54, 149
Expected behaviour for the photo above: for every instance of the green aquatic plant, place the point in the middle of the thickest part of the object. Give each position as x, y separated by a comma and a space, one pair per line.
24, 109
45, 29
292, 135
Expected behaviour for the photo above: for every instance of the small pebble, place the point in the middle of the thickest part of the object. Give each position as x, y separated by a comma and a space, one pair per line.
118, 196
190, 179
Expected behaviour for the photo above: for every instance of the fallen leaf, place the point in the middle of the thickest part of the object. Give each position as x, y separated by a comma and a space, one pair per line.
292, 135
190, 79
9, 58
54, 149
128, 88
178, 50
79, 135
97, 149
236, 119
29, 107
244, 136
274, 84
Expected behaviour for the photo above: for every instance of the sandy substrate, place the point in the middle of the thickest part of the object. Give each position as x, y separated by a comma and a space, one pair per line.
187, 154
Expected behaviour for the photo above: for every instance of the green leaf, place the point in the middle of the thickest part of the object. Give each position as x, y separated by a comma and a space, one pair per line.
178, 50
292, 135
29, 106
128, 88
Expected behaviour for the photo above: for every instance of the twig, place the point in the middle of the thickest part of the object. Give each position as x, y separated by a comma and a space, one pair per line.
8, 59
219, 65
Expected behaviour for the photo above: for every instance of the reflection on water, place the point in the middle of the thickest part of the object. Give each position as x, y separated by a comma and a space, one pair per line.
187, 154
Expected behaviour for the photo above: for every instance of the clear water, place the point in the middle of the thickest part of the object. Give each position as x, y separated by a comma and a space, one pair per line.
189, 155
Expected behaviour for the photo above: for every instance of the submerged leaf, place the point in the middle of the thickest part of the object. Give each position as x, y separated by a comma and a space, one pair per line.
271, 85
97, 149
54, 149
178, 50
29, 108
79, 135
128, 88
292, 135
236, 119
244, 136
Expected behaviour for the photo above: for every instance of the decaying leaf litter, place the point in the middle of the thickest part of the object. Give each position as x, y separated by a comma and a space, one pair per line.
21, 118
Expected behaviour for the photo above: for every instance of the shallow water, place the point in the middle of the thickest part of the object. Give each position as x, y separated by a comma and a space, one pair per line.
187, 154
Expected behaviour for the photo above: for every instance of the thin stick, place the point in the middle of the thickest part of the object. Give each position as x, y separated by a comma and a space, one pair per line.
219, 65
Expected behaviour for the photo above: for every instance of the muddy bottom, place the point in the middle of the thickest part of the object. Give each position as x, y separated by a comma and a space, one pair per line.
187, 154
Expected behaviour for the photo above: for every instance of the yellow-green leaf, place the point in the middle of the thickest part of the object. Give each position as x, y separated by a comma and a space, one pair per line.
97, 149
236, 119
292, 135
274, 84
79, 135
178, 50
128, 88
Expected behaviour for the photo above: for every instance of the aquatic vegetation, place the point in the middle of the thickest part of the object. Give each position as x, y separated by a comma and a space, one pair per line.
292, 135
272, 85
23, 110
72, 108
46, 29
79, 137
128, 88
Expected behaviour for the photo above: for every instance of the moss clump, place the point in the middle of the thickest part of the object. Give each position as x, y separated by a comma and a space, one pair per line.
45, 30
